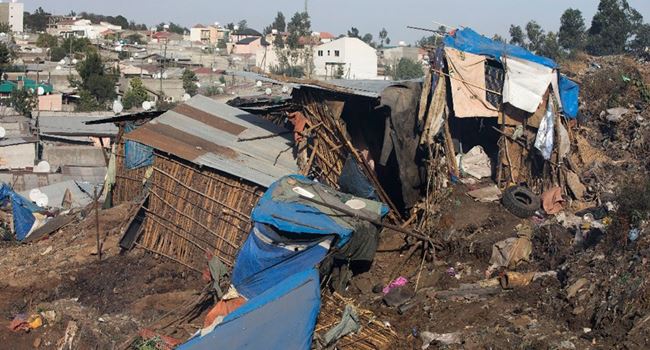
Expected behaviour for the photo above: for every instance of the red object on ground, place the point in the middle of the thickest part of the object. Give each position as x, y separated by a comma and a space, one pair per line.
223, 308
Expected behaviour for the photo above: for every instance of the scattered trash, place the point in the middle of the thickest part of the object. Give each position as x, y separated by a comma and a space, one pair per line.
552, 200
67, 342
444, 339
510, 279
475, 163
486, 194
576, 287
520, 201
349, 324
510, 252
398, 282
47, 250
615, 115
398, 296
634, 234
24, 323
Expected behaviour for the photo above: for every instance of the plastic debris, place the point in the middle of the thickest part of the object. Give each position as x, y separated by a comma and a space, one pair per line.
445, 339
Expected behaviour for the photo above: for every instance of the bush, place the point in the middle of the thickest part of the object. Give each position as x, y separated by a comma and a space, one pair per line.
289, 71
57, 54
406, 69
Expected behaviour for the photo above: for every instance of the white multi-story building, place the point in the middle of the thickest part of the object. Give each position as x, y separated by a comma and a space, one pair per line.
12, 13
348, 58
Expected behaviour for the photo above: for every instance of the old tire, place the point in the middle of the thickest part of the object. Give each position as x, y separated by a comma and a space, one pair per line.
521, 201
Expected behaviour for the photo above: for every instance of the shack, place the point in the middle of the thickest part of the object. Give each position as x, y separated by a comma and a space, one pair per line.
205, 166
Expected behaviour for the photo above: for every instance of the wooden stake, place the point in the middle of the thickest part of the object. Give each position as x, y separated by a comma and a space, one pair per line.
99, 244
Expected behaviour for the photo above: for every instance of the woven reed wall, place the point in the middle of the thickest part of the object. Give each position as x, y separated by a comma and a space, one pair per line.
192, 212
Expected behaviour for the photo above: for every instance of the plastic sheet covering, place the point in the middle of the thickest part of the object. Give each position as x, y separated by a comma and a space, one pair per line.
569, 94
266, 258
526, 84
544, 140
354, 181
136, 154
283, 317
468, 40
23, 211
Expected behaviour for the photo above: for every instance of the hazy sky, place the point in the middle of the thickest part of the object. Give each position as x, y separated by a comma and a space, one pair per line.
337, 16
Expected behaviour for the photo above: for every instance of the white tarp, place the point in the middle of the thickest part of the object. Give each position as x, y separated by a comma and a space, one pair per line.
525, 83
475, 163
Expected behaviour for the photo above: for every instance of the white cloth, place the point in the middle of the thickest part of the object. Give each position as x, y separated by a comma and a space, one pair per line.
544, 140
475, 163
525, 83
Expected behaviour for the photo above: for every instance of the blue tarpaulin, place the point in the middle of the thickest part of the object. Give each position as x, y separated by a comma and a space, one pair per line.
136, 154
467, 40
569, 94
283, 209
264, 260
22, 210
283, 317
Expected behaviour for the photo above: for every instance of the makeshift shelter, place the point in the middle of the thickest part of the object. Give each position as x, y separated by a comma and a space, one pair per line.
23, 212
205, 166
295, 227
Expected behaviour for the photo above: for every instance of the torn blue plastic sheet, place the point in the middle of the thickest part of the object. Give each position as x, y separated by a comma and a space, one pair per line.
467, 40
136, 155
569, 94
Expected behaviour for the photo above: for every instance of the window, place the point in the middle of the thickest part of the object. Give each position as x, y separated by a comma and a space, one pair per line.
320, 53
337, 53
328, 53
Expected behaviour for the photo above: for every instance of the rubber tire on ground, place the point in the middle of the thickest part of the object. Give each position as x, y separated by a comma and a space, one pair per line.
521, 201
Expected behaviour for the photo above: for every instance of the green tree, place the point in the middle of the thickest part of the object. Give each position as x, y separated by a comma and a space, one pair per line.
353, 33
189, 82
280, 23
23, 101
572, 35
535, 35
47, 40
550, 46
498, 38
95, 80
57, 54
5, 55
5, 28
135, 95
383, 37
641, 39
613, 25
299, 26
37, 21
135, 38
243, 24
367, 38
406, 69
76, 45
517, 36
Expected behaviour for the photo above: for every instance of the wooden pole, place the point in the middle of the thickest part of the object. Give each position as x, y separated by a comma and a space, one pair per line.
99, 244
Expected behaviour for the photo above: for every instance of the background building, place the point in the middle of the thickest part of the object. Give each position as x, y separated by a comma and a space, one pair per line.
348, 58
12, 13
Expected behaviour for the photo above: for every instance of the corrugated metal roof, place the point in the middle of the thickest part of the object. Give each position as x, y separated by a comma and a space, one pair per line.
56, 192
75, 126
17, 140
206, 133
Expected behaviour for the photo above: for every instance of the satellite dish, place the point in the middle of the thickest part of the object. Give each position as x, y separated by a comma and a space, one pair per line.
42, 167
268, 91
198, 85
165, 76
131, 59
75, 61
258, 84
42, 200
33, 194
136, 44
146, 105
186, 97
3, 132
117, 107
58, 68
166, 26
62, 62
136, 54
214, 69
31, 90
150, 61
40, 91
285, 89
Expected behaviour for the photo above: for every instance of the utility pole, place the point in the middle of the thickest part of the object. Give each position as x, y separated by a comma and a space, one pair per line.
306, 6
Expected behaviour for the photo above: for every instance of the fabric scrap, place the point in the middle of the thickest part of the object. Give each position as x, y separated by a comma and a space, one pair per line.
575, 185
222, 309
495, 77
486, 194
545, 133
510, 252
398, 282
467, 78
475, 163
299, 122
349, 324
217, 271
525, 83
552, 200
